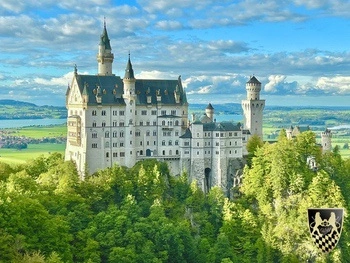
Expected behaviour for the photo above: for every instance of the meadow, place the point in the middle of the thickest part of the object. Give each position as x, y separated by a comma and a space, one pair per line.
13, 156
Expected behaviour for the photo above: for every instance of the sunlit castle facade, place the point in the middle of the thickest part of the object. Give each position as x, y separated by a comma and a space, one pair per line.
114, 120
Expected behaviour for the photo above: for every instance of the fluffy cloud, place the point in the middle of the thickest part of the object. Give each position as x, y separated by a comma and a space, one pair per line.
337, 84
274, 81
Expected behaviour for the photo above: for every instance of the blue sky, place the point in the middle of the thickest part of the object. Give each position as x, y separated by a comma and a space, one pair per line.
298, 49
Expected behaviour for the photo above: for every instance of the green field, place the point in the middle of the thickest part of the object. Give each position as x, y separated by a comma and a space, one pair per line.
13, 156
38, 132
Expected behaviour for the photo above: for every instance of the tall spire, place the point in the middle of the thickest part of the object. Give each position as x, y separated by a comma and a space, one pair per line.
129, 72
104, 37
105, 56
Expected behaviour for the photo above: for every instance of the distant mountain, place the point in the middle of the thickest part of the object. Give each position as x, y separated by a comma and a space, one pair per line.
17, 103
14, 109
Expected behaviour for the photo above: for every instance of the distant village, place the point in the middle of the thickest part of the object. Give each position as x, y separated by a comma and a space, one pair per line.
9, 139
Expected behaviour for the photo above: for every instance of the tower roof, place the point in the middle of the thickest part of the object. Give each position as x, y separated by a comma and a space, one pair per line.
209, 107
129, 72
254, 80
105, 39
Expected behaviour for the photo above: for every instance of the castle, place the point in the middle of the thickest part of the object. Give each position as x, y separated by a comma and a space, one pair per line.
126, 120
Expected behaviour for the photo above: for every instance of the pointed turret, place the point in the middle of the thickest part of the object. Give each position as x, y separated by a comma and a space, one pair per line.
129, 82
105, 56
129, 72
209, 111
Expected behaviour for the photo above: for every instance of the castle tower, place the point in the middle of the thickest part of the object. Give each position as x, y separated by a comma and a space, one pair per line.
129, 96
105, 56
253, 107
326, 140
209, 111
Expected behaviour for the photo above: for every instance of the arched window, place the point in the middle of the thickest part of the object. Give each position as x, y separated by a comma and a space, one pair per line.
106, 134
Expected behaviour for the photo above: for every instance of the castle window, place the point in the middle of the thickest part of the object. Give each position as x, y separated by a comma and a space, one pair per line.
147, 143
217, 152
186, 143
148, 133
217, 144
121, 144
94, 135
163, 123
141, 152
140, 143
137, 133
103, 113
176, 123
197, 144
154, 123
107, 154
177, 152
153, 112
94, 124
94, 145
230, 134
197, 134
121, 134
115, 154
106, 134
93, 113
154, 143
217, 134
115, 134
173, 112
235, 134
141, 123
163, 152
176, 142
163, 112
148, 123
143, 112
115, 124
103, 124
170, 143
121, 113
121, 124
122, 154
163, 143
197, 152
115, 144
176, 133
130, 142
107, 145
115, 113
154, 133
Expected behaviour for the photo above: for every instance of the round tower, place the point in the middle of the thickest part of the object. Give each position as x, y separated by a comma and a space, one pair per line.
105, 56
253, 87
253, 107
209, 111
326, 140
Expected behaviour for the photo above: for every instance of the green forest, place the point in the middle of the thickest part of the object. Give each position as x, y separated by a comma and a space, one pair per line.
144, 214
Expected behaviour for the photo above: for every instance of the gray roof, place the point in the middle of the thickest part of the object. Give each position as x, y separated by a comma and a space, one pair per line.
209, 107
111, 89
254, 80
104, 41
221, 126
187, 134
129, 72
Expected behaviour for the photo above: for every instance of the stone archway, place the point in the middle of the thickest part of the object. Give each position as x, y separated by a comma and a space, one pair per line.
207, 180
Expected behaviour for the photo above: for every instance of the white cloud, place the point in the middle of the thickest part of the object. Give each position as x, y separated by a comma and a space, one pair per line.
337, 84
61, 81
274, 81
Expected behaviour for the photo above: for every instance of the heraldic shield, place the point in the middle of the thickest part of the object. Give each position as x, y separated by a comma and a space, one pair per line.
325, 226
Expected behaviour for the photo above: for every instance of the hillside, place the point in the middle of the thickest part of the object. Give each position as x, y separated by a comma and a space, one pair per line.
13, 109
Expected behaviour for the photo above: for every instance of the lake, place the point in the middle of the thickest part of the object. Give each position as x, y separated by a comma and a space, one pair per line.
29, 122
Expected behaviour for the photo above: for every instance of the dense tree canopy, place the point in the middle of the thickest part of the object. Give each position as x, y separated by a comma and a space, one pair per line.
143, 214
